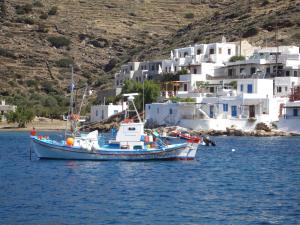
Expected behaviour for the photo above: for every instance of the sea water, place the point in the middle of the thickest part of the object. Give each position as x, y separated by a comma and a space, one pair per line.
242, 180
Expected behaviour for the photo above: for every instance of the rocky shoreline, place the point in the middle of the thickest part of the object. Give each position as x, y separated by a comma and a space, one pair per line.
262, 130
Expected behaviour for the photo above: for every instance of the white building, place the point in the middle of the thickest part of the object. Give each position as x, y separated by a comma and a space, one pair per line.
102, 112
6, 109
253, 102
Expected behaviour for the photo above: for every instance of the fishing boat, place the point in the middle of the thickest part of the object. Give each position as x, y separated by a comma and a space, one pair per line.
130, 143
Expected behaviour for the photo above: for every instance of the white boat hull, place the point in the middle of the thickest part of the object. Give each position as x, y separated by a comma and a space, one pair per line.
46, 150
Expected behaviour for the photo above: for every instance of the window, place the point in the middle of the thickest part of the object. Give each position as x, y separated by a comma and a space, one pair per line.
279, 89
220, 50
184, 87
157, 110
211, 89
195, 70
186, 54
268, 70
253, 70
295, 112
152, 67
286, 88
117, 83
225, 107
131, 68
242, 88
175, 68
131, 128
116, 111
295, 74
287, 73
242, 70
231, 72
199, 51
212, 51
149, 107
171, 111
229, 51
96, 112
249, 88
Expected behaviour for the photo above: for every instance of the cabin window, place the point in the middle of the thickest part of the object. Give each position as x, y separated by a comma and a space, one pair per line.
131, 128
242, 88
115, 111
225, 107
229, 51
199, 51
249, 88
220, 50
212, 51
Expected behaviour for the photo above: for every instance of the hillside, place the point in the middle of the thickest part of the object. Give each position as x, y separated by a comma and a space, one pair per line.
39, 39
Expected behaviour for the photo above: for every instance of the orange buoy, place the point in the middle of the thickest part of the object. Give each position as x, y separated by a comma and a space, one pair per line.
70, 141
33, 132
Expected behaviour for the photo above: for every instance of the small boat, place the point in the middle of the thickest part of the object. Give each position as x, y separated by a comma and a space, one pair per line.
130, 143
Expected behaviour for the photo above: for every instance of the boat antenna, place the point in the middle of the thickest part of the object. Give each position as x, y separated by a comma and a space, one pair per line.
131, 99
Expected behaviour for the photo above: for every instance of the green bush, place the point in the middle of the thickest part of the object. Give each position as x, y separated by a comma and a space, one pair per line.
44, 16
7, 53
42, 28
237, 58
22, 116
296, 36
26, 20
53, 11
65, 62
37, 4
23, 9
59, 41
31, 83
189, 15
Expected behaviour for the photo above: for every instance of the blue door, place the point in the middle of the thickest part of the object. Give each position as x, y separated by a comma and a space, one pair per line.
295, 112
211, 111
233, 111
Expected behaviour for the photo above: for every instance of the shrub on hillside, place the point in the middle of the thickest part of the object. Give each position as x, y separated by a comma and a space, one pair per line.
65, 62
44, 16
23, 9
189, 15
42, 28
26, 20
7, 53
252, 31
37, 4
296, 36
237, 58
53, 11
59, 41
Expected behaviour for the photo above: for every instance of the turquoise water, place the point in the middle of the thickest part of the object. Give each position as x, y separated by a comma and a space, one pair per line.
258, 183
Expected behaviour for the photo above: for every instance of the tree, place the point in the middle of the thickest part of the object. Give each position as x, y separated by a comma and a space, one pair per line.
22, 116
151, 91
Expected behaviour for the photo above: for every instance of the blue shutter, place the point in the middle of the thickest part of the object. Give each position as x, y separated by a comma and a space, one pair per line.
249, 88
